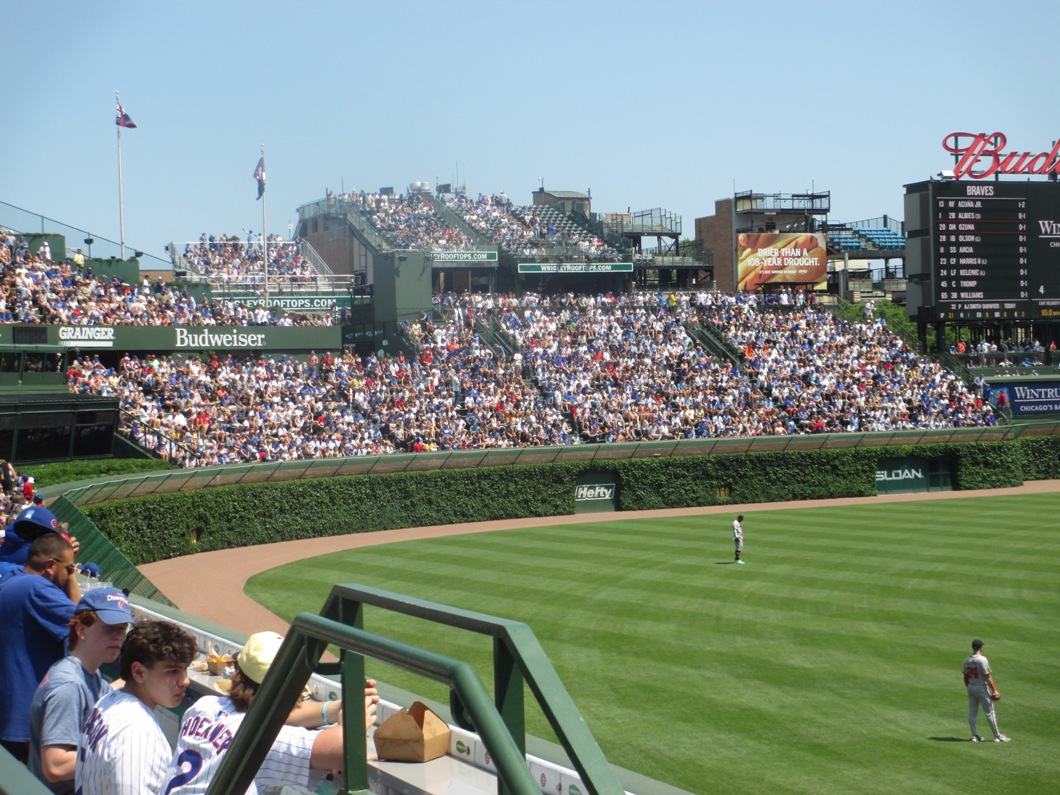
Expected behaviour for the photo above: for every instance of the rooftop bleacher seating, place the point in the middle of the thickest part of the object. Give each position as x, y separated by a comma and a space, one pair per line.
846, 241
882, 238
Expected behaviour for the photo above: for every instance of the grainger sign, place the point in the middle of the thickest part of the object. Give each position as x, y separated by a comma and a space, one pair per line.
982, 155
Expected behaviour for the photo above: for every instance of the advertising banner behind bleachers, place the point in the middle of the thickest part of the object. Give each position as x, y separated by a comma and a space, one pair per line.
187, 338
772, 258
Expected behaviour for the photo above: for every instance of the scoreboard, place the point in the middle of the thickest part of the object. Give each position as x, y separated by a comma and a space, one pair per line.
993, 248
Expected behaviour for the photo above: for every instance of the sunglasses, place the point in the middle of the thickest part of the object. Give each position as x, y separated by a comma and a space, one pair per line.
70, 567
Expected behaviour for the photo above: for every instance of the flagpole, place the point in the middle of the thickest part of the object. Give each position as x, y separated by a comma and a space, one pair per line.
265, 237
121, 188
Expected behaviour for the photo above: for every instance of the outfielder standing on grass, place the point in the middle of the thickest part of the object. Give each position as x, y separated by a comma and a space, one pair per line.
737, 537
981, 692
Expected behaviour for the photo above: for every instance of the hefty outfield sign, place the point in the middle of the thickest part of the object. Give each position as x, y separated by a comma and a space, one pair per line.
597, 492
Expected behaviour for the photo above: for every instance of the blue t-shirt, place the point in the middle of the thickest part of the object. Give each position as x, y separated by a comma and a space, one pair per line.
34, 614
59, 708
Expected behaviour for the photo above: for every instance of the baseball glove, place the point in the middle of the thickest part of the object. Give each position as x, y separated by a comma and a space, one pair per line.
995, 696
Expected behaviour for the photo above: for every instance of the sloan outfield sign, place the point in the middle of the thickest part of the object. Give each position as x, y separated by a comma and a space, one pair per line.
160, 339
894, 475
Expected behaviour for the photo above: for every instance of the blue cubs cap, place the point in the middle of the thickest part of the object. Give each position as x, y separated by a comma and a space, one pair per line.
110, 604
34, 522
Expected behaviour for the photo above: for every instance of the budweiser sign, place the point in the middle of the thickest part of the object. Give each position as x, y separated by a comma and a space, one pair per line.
981, 156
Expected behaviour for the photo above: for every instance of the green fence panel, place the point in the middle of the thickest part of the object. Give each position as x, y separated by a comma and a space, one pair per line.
97, 548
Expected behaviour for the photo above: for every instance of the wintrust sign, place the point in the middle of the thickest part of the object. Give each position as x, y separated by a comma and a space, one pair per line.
982, 156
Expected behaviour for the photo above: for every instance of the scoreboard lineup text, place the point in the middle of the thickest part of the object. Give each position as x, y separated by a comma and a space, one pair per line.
995, 250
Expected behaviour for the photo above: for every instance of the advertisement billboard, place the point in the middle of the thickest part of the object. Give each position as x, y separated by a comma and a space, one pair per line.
780, 258
186, 338
1027, 399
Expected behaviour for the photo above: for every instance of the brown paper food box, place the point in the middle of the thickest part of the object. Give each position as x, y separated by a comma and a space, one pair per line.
415, 734
217, 666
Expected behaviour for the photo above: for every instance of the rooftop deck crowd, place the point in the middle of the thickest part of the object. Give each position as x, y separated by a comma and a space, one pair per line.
409, 222
527, 231
228, 258
34, 288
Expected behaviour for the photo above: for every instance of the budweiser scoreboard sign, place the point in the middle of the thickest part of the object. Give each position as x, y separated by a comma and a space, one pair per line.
985, 155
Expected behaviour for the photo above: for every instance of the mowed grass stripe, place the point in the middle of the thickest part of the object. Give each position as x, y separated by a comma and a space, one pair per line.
828, 664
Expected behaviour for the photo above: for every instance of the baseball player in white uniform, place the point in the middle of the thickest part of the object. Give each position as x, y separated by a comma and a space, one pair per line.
301, 755
979, 682
123, 749
737, 537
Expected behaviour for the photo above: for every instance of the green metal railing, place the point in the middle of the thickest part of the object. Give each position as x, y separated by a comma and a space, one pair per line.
500, 722
15, 778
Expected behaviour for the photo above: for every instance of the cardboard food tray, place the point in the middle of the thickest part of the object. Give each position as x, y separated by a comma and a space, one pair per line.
415, 734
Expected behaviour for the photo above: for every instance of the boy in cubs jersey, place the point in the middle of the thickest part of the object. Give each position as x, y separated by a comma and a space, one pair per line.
304, 751
123, 749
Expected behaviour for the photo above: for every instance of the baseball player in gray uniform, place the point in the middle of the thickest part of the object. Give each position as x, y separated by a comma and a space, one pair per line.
123, 749
982, 692
737, 537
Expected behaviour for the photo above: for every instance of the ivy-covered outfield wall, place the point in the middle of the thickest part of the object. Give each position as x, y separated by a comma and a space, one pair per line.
151, 528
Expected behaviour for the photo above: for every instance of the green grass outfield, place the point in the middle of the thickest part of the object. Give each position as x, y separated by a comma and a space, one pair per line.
830, 663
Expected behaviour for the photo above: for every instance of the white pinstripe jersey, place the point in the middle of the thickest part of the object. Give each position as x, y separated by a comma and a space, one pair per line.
123, 749
208, 729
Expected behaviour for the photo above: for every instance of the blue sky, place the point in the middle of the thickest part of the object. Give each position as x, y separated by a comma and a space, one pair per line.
648, 104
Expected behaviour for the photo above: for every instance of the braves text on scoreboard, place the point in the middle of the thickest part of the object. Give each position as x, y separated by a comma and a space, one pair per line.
995, 250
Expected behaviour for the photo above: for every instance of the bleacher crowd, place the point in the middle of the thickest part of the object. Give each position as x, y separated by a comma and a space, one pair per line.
604, 368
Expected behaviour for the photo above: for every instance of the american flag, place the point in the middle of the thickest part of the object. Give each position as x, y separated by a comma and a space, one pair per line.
123, 119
